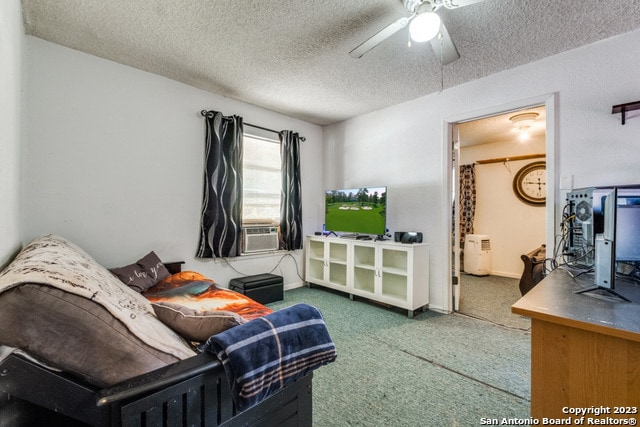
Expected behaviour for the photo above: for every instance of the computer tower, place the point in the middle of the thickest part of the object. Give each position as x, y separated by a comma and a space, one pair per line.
579, 227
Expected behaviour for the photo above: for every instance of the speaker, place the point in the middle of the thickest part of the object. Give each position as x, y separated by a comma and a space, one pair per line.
407, 236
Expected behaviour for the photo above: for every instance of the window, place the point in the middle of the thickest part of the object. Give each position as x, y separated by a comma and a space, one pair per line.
262, 180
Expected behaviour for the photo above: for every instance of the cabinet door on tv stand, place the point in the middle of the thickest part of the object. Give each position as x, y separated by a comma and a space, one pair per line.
394, 268
365, 270
327, 262
316, 261
337, 264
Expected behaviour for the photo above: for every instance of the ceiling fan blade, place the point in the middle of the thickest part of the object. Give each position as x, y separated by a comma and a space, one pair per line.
382, 35
443, 46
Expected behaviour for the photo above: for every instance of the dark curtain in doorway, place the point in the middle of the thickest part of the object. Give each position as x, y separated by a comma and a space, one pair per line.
467, 200
221, 221
291, 195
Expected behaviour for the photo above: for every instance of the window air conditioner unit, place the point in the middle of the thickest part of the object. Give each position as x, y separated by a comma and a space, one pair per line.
260, 239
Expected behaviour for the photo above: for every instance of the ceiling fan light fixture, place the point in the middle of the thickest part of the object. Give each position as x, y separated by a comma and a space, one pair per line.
424, 27
522, 123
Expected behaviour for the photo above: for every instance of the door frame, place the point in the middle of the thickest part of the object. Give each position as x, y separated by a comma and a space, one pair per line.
550, 103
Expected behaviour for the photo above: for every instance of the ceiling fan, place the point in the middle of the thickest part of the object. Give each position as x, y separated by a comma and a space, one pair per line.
425, 25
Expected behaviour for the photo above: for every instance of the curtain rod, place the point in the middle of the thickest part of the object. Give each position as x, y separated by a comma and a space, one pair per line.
510, 159
302, 138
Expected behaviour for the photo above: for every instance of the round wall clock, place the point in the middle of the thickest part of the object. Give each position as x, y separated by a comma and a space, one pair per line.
530, 183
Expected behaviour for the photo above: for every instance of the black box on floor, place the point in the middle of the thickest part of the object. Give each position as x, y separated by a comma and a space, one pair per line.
264, 288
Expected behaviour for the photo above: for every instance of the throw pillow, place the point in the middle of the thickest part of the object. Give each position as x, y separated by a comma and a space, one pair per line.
143, 274
195, 325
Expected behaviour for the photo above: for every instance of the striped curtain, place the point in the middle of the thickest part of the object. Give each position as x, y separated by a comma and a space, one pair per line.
221, 222
291, 196
467, 200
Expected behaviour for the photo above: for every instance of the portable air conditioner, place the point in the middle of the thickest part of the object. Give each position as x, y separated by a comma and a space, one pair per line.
477, 254
260, 239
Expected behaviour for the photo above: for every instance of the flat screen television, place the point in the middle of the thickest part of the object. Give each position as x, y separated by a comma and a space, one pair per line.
356, 210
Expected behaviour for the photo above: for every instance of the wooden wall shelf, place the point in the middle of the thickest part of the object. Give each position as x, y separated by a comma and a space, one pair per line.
623, 108
510, 159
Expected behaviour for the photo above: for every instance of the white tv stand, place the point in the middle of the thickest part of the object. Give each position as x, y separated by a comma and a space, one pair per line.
389, 272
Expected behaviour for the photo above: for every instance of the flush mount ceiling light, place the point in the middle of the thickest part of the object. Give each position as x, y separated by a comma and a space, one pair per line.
522, 123
424, 27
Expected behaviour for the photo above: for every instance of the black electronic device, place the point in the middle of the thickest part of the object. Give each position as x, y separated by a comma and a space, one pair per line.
407, 236
579, 242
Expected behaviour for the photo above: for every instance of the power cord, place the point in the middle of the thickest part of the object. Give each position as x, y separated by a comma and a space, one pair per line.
295, 262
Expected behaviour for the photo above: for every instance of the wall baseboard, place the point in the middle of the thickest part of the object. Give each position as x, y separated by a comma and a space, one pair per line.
296, 285
505, 274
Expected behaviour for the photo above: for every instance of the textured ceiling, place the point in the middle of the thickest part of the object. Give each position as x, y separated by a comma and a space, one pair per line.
500, 128
291, 56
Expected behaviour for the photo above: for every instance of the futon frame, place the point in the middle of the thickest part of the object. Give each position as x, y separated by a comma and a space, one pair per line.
192, 392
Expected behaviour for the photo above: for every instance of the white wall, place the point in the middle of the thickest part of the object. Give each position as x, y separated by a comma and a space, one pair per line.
514, 227
114, 155
404, 146
114, 161
11, 81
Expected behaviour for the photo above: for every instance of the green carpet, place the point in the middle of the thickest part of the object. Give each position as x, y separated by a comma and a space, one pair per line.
433, 370
490, 298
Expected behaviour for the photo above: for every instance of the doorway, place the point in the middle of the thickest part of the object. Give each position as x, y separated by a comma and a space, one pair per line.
490, 143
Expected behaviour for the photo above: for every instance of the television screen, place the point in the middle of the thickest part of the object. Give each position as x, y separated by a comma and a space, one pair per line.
356, 210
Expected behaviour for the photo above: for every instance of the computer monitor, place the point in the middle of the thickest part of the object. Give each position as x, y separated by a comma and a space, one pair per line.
606, 243
628, 225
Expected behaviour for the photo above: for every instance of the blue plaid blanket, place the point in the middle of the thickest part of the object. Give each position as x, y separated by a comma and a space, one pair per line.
264, 355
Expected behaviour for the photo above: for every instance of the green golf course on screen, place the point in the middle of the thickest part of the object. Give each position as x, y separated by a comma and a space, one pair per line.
356, 210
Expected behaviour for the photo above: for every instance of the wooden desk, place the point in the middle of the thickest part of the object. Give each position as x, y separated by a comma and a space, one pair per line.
585, 348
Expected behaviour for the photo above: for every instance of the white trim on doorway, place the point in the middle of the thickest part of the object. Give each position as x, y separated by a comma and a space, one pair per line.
550, 103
